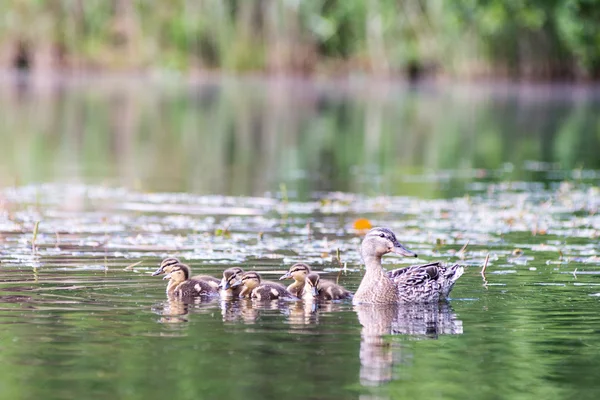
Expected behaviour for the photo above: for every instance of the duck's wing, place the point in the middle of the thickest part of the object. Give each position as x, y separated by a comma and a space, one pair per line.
432, 268
202, 288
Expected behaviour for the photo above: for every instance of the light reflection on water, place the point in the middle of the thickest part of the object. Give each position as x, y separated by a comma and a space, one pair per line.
81, 319
507, 171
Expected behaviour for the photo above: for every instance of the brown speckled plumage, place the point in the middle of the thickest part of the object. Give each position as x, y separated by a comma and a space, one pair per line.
298, 273
166, 266
181, 286
317, 288
415, 284
254, 288
231, 276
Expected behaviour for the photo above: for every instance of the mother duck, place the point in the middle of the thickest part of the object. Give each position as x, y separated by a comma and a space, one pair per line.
428, 283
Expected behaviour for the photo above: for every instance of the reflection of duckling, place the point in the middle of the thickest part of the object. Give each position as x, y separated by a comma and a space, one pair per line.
298, 273
230, 276
253, 288
181, 286
167, 264
322, 289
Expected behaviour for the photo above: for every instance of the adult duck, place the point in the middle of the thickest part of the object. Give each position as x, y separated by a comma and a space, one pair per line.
428, 283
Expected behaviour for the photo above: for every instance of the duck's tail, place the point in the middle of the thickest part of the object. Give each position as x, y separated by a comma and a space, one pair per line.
451, 275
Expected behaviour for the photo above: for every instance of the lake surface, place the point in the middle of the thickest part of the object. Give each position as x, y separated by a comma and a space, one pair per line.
122, 173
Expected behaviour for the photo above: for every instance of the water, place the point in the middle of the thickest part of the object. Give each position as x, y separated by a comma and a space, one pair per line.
119, 176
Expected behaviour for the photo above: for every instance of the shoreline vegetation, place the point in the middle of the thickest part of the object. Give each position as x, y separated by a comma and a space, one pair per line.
542, 40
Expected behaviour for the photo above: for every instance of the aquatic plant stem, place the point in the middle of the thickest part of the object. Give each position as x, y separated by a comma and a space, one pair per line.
485, 264
34, 238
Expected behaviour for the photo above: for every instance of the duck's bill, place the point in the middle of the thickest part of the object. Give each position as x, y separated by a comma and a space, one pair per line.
286, 276
167, 276
157, 272
235, 284
224, 284
403, 251
314, 291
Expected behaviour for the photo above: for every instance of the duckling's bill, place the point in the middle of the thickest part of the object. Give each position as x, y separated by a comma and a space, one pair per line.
224, 285
287, 275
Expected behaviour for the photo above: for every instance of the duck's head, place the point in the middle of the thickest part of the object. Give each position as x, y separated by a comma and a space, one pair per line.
379, 241
249, 280
230, 276
297, 272
312, 284
166, 266
179, 273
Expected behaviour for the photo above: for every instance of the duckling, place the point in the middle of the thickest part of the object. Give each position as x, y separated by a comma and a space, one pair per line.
167, 264
297, 272
253, 288
181, 286
230, 276
427, 283
315, 288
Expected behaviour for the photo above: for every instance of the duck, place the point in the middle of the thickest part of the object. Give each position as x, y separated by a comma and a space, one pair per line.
428, 283
167, 264
253, 288
230, 276
315, 288
181, 286
298, 273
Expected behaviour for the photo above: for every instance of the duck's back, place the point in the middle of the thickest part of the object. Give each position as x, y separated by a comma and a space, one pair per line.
426, 283
211, 280
329, 290
194, 288
270, 291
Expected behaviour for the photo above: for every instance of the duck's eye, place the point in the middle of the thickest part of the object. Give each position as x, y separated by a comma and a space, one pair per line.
382, 235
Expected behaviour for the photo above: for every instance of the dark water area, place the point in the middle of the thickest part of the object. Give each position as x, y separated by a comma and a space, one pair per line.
120, 174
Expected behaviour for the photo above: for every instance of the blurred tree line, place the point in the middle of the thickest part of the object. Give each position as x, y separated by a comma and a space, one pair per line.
535, 39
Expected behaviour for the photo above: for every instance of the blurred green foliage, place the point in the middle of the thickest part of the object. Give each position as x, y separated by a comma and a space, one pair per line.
538, 39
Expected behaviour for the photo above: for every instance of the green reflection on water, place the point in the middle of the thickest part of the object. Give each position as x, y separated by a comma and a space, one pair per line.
78, 326
246, 137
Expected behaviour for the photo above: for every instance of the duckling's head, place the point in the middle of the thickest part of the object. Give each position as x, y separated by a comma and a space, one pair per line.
250, 280
166, 266
230, 276
179, 273
312, 283
380, 241
297, 272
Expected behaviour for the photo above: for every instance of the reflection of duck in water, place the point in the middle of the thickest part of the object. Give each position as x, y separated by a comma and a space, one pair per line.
425, 321
239, 311
174, 311
166, 266
427, 283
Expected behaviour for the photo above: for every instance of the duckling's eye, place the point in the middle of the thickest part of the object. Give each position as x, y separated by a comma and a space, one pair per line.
382, 235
